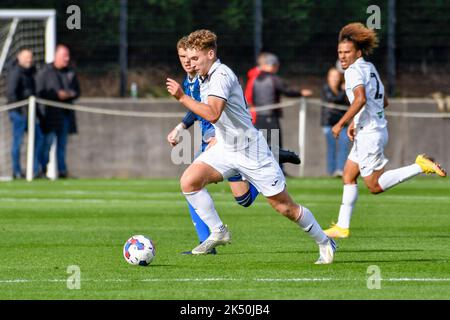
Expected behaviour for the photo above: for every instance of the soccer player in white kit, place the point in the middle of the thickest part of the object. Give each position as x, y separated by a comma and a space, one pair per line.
368, 129
240, 148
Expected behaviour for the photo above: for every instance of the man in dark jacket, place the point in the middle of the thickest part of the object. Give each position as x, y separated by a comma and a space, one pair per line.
20, 86
267, 90
58, 82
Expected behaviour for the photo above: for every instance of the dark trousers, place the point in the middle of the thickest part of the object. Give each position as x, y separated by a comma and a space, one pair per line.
19, 126
271, 129
270, 124
61, 135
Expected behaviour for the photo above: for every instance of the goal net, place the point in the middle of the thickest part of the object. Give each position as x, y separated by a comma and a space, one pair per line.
32, 29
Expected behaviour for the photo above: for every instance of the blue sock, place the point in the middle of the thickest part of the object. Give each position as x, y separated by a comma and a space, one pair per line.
235, 178
247, 199
201, 227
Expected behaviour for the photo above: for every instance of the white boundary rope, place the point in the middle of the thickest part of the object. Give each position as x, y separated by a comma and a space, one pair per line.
14, 105
287, 104
405, 114
424, 280
111, 112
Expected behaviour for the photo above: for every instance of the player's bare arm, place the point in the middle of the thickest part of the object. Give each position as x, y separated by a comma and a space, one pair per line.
172, 137
351, 131
358, 103
211, 142
385, 101
210, 112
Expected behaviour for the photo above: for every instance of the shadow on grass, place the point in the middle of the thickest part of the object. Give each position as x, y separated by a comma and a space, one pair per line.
258, 253
382, 250
388, 261
315, 251
376, 237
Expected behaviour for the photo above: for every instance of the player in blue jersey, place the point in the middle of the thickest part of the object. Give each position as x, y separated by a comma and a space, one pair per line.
244, 192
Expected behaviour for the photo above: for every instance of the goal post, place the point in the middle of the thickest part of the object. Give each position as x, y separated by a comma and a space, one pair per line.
49, 18
25, 28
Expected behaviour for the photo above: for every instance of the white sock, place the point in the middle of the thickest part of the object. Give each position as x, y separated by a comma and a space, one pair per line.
393, 177
349, 197
309, 224
203, 204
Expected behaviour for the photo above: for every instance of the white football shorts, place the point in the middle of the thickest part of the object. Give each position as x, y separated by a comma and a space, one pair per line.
368, 151
256, 164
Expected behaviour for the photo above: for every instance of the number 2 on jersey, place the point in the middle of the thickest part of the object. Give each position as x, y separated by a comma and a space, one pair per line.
378, 95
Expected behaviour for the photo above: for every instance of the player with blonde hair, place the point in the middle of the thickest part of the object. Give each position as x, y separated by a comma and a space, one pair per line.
240, 148
243, 191
368, 127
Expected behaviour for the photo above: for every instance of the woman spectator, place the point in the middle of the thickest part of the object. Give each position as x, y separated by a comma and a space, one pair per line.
337, 150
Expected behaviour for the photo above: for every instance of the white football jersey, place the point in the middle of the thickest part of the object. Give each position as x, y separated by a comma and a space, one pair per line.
371, 116
234, 128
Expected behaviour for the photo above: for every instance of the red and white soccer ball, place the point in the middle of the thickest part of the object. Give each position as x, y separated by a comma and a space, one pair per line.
139, 251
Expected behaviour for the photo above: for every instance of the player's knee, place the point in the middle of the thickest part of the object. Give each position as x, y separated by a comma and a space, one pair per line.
185, 187
375, 188
347, 179
189, 184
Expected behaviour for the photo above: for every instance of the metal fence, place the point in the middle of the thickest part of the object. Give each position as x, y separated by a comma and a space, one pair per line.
303, 33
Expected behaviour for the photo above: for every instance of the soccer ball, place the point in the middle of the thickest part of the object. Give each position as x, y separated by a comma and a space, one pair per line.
139, 250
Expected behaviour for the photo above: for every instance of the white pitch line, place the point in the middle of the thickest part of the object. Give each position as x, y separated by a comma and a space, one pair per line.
230, 279
144, 195
300, 280
152, 194
107, 201
417, 280
84, 192
191, 280
29, 281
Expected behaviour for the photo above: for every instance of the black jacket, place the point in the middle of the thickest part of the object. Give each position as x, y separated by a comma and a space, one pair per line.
268, 89
329, 117
49, 81
20, 84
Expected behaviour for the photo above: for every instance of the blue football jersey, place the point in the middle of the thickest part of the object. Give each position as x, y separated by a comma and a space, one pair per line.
192, 89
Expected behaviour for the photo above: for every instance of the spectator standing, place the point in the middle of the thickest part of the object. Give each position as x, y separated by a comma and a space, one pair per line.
20, 86
337, 149
268, 88
57, 81
252, 74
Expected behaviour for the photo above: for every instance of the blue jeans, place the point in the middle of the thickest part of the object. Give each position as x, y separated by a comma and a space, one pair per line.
19, 126
337, 151
61, 135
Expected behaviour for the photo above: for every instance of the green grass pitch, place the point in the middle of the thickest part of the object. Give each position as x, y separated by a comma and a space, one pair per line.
45, 227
